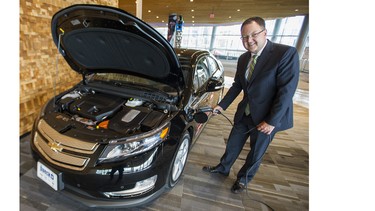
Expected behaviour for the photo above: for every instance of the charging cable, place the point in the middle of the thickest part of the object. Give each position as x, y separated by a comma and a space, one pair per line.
248, 171
216, 111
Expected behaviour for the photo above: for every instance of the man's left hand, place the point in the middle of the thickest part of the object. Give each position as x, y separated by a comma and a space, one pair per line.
265, 128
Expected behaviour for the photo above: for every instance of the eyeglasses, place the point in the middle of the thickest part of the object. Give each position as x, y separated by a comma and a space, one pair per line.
255, 35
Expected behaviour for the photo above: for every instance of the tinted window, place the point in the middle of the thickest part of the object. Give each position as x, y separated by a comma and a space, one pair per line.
213, 66
201, 73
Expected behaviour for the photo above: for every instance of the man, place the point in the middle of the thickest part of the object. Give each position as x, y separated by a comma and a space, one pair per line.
268, 75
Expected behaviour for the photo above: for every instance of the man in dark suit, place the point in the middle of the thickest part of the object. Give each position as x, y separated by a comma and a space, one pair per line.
268, 75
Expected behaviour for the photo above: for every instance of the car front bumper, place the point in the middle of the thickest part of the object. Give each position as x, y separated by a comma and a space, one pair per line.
134, 182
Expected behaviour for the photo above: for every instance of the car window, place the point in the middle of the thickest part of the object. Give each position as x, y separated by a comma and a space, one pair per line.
195, 81
201, 73
214, 68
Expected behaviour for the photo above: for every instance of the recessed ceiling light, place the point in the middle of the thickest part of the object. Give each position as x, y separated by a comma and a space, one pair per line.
193, 21
230, 17
238, 10
296, 10
192, 10
162, 21
157, 16
191, 0
149, 11
192, 16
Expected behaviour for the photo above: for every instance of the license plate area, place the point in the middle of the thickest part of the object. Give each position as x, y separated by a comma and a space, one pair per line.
52, 177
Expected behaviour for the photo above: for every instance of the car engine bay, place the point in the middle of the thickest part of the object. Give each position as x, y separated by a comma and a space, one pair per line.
91, 112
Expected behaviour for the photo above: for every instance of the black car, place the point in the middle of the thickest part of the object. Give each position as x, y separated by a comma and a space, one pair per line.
121, 137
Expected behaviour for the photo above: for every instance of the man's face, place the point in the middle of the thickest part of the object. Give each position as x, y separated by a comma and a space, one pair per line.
253, 37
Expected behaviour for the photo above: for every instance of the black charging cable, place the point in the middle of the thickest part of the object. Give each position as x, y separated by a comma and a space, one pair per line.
248, 171
215, 111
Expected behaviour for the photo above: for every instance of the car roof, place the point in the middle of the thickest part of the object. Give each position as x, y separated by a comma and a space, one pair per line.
189, 56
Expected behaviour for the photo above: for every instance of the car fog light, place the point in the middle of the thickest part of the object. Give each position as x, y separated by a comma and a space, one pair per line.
139, 188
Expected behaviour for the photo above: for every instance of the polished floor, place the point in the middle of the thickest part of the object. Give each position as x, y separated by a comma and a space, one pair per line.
282, 182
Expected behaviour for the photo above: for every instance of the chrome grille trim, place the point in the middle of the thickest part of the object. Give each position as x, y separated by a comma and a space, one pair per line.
66, 142
58, 148
60, 158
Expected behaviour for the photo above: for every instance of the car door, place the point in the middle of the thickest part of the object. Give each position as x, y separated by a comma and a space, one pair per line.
205, 69
201, 77
216, 72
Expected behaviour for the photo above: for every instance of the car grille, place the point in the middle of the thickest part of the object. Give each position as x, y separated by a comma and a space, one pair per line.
58, 148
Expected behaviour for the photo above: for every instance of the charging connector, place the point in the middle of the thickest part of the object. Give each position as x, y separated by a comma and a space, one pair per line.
216, 111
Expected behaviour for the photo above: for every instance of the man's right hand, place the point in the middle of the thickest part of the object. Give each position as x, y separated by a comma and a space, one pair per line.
217, 110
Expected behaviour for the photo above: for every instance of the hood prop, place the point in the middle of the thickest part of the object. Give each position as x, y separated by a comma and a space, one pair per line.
57, 67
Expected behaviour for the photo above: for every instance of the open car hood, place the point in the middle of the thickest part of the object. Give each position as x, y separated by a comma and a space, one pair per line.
95, 38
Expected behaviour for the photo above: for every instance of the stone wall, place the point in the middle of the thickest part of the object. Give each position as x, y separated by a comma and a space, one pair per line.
39, 55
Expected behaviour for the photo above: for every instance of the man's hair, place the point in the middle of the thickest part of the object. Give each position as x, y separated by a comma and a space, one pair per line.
260, 21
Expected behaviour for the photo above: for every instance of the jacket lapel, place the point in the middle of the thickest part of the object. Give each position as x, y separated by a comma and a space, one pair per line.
262, 60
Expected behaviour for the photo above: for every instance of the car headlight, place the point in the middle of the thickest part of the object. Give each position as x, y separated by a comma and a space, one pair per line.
120, 149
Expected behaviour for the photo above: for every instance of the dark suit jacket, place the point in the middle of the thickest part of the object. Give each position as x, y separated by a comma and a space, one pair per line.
271, 87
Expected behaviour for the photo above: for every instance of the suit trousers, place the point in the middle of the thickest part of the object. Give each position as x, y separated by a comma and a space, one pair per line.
259, 143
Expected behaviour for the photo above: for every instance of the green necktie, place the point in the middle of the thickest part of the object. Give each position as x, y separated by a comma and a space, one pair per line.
249, 73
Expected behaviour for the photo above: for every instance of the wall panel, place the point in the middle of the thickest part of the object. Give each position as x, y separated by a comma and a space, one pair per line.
38, 56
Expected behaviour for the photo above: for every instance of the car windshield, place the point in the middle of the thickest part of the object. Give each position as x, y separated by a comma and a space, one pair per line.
122, 79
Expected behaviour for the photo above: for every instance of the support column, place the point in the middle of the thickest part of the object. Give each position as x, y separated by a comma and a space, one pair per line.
213, 35
172, 19
276, 29
301, 41
139, 9
179, 25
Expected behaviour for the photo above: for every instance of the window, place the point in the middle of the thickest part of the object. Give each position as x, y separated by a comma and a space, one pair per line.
196, 37
213, 68
226, 43
201, 73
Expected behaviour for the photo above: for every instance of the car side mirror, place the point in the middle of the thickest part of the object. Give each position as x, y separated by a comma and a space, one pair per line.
214, 85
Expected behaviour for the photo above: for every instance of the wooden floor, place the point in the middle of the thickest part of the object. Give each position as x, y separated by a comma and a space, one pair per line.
281, 183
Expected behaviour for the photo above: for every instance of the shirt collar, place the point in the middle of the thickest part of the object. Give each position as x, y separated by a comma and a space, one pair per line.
261, 50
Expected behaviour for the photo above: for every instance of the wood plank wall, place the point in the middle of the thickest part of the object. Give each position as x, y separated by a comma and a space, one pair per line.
38, 55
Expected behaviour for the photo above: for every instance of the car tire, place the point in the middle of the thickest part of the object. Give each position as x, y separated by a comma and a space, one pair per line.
179, 160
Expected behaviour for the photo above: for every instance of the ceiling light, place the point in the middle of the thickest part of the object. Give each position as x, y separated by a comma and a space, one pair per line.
193, 21
238, 10
192, 16
296, 10
192, 10
157, 16
230, 17
191, 0
149, 11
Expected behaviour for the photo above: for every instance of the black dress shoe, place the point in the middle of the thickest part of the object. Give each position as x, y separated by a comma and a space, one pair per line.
238, 187
214, 170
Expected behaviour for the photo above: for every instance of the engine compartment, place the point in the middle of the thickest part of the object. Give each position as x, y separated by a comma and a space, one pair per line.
89, 111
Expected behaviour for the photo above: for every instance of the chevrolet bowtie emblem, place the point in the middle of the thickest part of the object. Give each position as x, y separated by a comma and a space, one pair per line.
55, 146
